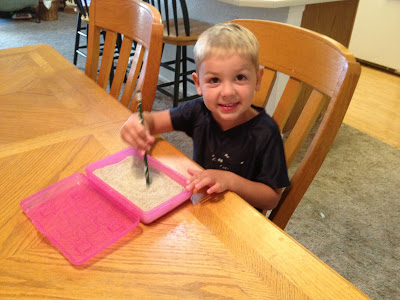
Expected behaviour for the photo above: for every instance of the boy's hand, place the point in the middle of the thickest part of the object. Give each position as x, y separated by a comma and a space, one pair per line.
217, 180
136, 134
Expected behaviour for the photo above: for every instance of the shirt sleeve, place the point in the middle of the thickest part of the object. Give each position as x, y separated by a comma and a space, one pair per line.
186, 116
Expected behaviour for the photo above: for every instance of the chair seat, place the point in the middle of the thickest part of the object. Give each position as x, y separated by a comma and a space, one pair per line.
85, 19
196, 28
70, 3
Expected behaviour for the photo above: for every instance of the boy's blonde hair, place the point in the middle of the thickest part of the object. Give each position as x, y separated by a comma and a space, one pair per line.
226, 39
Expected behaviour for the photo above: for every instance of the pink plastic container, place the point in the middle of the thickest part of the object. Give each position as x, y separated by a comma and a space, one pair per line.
145, 216
82, 215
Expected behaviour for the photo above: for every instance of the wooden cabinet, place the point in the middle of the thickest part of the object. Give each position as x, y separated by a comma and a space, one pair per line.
334, 19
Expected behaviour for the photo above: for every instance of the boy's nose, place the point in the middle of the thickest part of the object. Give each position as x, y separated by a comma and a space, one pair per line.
227, 89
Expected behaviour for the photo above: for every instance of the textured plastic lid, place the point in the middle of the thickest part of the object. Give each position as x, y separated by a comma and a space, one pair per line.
77, 218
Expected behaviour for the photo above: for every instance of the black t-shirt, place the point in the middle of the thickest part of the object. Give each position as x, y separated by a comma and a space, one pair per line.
253, 150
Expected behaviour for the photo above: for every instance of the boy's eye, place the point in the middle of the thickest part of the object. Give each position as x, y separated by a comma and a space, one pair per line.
214, 80
240, 77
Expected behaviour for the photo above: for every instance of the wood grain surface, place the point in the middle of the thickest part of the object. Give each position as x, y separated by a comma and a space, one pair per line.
375, 107
53, 122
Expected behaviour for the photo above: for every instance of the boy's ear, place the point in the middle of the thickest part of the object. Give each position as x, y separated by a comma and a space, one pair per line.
196, 82
259, 77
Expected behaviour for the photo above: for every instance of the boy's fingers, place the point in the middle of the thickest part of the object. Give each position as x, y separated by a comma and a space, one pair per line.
150, 139
142, 132
136, 142
189, 187
216, 188
193, 171
201, 183
191, 183
136, 135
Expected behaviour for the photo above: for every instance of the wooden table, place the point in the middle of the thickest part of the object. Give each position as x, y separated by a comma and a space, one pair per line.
53, 122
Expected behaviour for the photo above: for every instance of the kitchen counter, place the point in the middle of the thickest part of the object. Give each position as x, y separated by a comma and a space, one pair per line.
273, 3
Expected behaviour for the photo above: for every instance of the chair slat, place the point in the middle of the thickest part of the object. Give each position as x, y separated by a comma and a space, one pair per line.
122, 65
286, 103
92, 61
130, 84
267, 82
107, 59
303, 125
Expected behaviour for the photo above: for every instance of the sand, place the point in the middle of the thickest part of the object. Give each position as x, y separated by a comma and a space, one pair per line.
127, 177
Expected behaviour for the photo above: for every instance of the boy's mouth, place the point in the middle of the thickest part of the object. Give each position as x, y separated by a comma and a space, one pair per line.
228, 107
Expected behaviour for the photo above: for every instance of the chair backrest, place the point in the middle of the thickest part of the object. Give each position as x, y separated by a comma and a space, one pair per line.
137, 22
330, 70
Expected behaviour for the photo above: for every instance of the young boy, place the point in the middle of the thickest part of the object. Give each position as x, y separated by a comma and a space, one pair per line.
237, 144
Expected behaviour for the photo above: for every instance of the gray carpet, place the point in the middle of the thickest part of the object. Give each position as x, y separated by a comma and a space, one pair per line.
350, 215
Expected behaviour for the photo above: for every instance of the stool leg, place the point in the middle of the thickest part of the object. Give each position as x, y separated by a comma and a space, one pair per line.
177, 75
116, 57
111, 74
77, 38
184, 71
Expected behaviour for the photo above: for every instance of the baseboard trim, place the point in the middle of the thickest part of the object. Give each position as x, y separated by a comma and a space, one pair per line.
379, 67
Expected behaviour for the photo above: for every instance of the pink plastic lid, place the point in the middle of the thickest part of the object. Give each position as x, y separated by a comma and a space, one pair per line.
78, 218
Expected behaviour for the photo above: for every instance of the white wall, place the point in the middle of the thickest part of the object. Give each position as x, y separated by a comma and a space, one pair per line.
376, 33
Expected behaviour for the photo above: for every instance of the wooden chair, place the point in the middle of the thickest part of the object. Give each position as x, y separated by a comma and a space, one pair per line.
311, 59
179, 31
137, 22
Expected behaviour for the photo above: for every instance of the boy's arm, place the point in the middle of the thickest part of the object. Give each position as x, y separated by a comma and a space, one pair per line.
141, 136
258, 194
255, 193
158, 122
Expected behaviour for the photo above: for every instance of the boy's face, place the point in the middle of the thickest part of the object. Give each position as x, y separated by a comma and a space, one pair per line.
227, 85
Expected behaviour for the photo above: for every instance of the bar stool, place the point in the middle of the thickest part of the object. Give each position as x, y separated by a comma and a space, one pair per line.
180, 32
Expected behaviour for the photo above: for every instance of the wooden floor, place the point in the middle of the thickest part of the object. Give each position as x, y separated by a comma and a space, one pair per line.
375, 107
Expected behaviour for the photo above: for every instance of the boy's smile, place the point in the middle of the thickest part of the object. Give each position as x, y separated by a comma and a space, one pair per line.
227, 85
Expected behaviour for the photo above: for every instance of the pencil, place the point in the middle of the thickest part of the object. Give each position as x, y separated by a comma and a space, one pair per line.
139, 103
